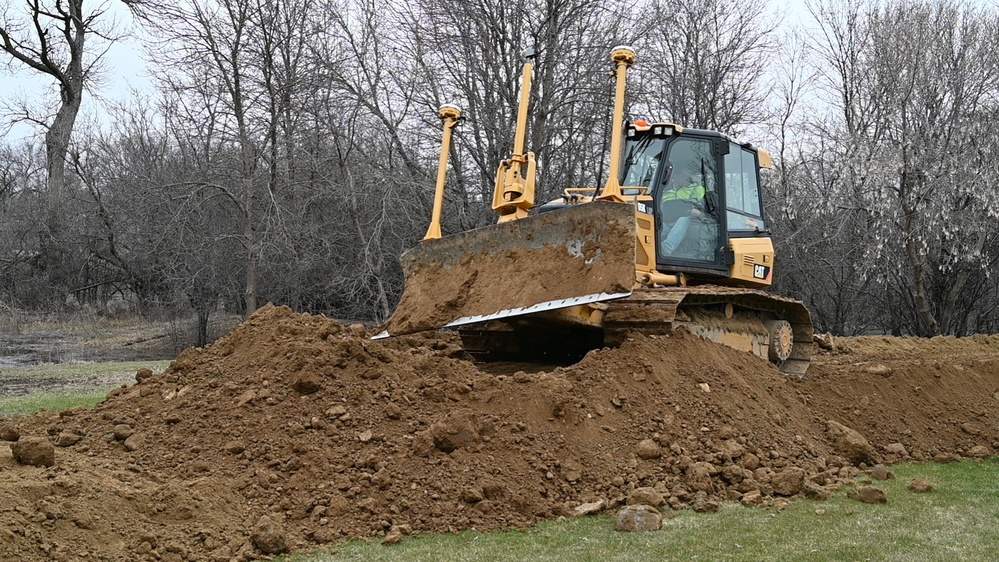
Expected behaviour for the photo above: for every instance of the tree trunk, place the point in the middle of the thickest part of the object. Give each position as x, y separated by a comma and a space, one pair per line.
929, 325
203, 315
56, 147
252, 257
959, 281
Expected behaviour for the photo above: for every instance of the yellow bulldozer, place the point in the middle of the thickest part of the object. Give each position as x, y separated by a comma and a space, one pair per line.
676, 237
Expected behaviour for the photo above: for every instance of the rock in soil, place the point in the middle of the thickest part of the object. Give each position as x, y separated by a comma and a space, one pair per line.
638, 518
881, 472
589, 508
268, 537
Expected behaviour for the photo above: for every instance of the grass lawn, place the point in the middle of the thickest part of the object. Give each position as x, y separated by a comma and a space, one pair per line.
956, 521
24, 390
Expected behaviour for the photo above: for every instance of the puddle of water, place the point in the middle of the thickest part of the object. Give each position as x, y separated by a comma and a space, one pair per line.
20, 352
25, 357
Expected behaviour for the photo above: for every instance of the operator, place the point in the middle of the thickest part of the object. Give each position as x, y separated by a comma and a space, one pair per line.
692, 192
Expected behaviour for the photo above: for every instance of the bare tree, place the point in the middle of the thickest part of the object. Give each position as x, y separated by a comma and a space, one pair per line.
295, 118
22, 208
914, 83
470, 52
704, 62
373, 169
55, 39
211, 59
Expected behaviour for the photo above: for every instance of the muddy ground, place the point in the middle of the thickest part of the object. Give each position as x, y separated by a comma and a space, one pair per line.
294, 431
83, 338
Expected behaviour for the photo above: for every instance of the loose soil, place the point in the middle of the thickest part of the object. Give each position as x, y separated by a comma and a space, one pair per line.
294, 431
482, 271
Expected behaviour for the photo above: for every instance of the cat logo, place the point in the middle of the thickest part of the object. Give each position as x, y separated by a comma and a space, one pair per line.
761, 272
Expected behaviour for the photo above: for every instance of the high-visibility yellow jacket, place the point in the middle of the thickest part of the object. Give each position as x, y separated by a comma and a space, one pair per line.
692, 192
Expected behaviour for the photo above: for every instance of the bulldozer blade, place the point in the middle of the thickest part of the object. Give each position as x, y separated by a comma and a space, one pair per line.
576, 255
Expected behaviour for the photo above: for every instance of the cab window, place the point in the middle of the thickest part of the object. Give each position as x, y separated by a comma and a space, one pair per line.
742, 190
688, 216
641, 160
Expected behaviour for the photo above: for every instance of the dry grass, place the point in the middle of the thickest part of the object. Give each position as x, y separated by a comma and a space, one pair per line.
87, 336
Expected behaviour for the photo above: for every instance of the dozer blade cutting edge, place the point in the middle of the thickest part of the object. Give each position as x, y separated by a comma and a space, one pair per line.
575, 255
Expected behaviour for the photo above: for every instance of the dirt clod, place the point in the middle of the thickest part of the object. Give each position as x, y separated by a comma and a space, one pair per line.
971, 428
920, 485
979, 452
394, 536
135, 442
869, 494
67, 439
9, 432
646, 496
33, 451
850, 443
704, 504
306, 383
122, 431
648, 449
788, 482
897, 449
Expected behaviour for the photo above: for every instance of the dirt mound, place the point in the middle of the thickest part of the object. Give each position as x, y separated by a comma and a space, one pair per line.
295, 431
937, 397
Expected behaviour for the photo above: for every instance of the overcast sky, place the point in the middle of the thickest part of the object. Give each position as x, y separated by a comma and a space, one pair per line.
126, 69
124, 64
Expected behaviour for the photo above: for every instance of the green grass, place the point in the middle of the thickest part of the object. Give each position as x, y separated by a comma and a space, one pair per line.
954, 522
66, 385
51, 401
75, 370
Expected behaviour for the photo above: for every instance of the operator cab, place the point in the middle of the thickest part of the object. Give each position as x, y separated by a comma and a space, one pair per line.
706, 201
